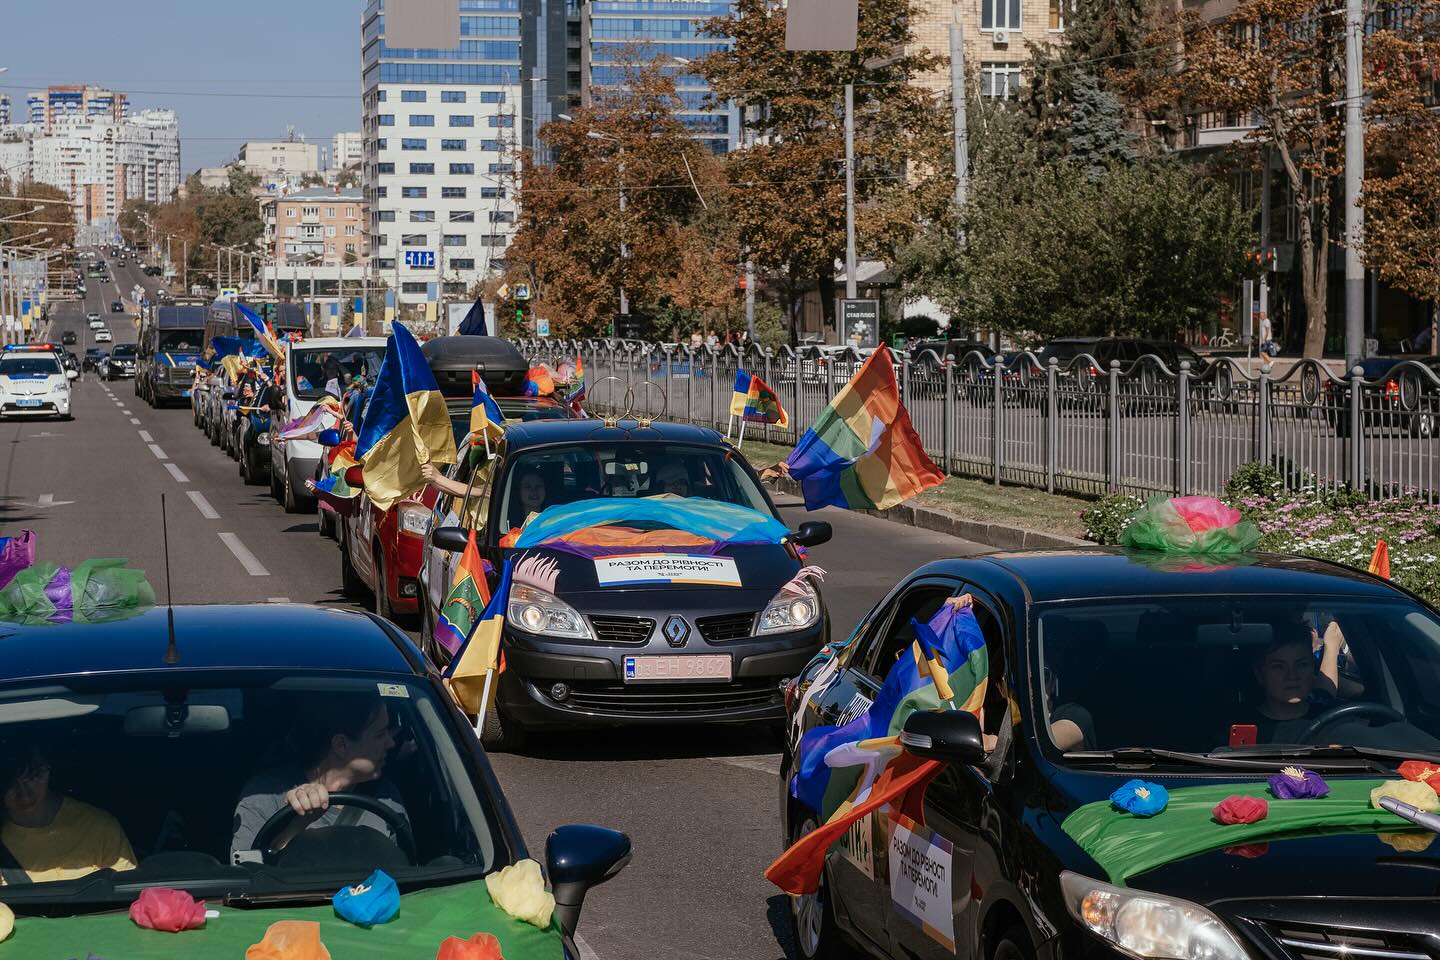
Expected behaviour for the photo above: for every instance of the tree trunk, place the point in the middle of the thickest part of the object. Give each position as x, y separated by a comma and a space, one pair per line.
1314, 285
826, 283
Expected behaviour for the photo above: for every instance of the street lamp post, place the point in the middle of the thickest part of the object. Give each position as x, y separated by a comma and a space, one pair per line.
624, 250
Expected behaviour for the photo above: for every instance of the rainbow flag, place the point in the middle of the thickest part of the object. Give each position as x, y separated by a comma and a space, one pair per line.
845, 772
468, 597
406, 424
486, 419
325, 414
479, 655
862, 453
762, 405
576, 396
263, 331
538, 382
741, 394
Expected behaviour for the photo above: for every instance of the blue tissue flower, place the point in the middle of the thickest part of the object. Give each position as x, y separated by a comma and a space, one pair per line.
329, 438
377, 900
1141, 798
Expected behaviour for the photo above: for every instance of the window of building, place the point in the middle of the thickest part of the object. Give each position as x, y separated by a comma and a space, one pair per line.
383, 241
413, 240
414, 287
492, 193
380, 96
1057, 13
422, 216
409, 144
422, 169
385, 216
381, 193
502, 216
414, 193
422, 120
330, 213
412, 96
329, 248
382, 144
310, 211
462, 263
349, 248
291, 211
462, 169
1000, 81
331, 232
462, 216
291, 231
386, 120
452, 96
492, 96
502, 168
350, 230
494, 240
461, 120
493, 146
504, 120
452, 193
999, 14
384, 263
452, 144
350, 213
454, 239
384, 168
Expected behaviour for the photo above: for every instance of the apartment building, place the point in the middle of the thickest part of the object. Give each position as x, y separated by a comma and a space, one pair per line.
320, 226
54, 105
277, 159
997, 37
347, 149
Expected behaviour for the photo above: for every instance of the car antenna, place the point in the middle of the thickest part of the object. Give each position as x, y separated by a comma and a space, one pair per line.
172, 652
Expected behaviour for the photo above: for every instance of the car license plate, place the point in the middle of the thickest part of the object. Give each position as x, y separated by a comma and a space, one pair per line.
184, 393
27, 403
703, 667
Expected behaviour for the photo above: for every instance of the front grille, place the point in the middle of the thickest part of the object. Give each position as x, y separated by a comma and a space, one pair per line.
622, 630
727, 626
1305, 942
681, 698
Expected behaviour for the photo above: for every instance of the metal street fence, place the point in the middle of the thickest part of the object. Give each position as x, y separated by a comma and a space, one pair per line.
1076, 427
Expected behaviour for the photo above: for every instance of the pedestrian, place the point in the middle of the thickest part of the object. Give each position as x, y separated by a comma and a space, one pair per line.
711, 340
696, 340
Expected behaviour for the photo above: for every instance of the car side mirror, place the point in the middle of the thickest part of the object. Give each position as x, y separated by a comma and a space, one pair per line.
578, 857
953, 736
454, 539
812, 534
71, 374
227, 394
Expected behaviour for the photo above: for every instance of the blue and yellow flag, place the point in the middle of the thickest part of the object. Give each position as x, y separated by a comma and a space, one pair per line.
263, 331
486, 419
480, 654
405, 426
741, 394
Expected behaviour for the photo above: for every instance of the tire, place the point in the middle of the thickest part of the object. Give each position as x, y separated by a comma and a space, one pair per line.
276, 493
1012, 945
1424, 425
324, 523
289, 501
428, 644
812, 916
383, 610
350, 583
250, 469
501, 733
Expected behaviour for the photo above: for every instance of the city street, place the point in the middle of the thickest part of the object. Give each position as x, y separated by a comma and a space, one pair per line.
700, 804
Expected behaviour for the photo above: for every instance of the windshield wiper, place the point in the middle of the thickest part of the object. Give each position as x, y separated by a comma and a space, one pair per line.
1266, 760
1339, 751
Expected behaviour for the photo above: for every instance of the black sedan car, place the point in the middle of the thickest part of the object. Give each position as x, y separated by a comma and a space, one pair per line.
1108, 667
608, 644
120, 364
117, 307
1404, 398
174, 740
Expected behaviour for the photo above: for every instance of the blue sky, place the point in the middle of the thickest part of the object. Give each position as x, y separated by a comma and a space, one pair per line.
280, 62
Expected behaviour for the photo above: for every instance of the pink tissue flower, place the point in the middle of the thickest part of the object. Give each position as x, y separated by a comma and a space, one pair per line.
161, 908
1205, 513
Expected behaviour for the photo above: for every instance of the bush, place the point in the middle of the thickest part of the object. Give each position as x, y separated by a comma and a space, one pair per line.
1104, 521
1255, 480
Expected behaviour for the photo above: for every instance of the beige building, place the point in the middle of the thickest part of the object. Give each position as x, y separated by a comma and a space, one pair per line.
997, 34
323, 225
279, 158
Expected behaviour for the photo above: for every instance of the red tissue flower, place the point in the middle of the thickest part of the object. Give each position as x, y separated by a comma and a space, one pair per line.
161, 908
1422, 772
482, 946
1240, 809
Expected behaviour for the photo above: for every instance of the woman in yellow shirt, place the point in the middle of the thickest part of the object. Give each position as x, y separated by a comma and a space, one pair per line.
48, 836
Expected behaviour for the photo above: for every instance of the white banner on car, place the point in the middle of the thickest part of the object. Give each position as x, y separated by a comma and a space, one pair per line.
920, 879
651, 568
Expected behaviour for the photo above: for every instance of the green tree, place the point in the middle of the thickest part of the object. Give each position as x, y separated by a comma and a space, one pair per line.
243, 183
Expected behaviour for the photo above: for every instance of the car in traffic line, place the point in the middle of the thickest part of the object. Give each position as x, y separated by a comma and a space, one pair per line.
170, 344
1407, 399
120, 363
103, 335
117, 306
94, 320
611, 651
168, 730
1134, 676
68, 338
34, 382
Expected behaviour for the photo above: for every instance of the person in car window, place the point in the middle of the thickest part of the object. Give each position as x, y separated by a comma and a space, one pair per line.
341, 747
1288, 673
46, 835
531, 495
1071, 725
672, 478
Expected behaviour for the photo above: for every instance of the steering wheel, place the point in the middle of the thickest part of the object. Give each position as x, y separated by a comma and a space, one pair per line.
1343, 710
281, 819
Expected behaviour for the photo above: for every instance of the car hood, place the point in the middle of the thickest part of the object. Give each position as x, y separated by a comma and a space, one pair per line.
426, 919
637, 579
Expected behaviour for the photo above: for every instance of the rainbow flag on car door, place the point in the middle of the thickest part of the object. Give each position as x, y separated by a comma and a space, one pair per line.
468, 597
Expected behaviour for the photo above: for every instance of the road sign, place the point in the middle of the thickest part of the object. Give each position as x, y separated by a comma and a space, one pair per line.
229, 293
542, 328
419, 258
860, 322
821, 24
522, 291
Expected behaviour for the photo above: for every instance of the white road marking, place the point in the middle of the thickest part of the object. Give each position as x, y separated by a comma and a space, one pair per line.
765, 763
145, 435
48, 500
159, 454
277, 599
586, 951
203, 505
175, 472
125, 412
134, 419
242, 553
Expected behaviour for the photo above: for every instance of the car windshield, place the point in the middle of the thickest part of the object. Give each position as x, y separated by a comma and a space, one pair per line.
549, 476
125, 351
180, 341
311, 370
1204, 674
37, 365
181, 782
525, 411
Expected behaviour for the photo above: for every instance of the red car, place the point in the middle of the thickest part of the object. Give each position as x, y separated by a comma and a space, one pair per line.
381, 550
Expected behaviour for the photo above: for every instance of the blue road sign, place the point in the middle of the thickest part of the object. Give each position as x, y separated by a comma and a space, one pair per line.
419, 258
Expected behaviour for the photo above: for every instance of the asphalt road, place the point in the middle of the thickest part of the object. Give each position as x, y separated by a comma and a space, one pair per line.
700, 804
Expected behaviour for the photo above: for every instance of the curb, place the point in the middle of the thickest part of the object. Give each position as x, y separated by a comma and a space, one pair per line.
999, 535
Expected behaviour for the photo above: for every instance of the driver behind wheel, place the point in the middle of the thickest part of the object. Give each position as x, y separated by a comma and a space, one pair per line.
1288, 673
339, 746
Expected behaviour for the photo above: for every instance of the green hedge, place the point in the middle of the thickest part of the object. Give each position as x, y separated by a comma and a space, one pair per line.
1342, 526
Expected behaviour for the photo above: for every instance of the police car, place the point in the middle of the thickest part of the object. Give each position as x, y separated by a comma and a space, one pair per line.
33, 382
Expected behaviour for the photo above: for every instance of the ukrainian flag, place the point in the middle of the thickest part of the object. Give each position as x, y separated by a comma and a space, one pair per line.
263, 331
480, 654
406, 424
486, 419
862, 453
741, 394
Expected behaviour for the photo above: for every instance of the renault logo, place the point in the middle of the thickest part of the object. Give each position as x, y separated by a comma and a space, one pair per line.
677, 631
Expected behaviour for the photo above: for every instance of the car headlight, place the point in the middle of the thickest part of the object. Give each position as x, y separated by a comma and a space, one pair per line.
1147, 924
795, 607
538, 612
414, 520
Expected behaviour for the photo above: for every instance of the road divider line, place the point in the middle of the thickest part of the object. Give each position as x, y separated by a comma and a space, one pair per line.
277, 599
135, 420
159, 454
145, 435
203, 505
764, 763
586, 952
125, 412
242, 553
175, 472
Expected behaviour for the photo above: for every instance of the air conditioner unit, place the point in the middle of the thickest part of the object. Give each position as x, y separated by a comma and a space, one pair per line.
1002, 37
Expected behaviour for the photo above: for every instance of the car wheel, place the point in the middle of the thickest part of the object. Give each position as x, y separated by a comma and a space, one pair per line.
382, 585
324, 522
1422, 425
350, 583
276, 493
428, 644
812, 917
1012, 945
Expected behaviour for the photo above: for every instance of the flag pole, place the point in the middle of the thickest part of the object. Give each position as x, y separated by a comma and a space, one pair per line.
741, 442
484, 702
729, 425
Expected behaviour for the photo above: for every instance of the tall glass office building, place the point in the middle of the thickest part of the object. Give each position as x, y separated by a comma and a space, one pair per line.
442, 136
670, 31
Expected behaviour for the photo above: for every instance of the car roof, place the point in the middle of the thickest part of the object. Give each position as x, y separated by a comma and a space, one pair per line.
207, 637
1096, 573
334, 343
537, 432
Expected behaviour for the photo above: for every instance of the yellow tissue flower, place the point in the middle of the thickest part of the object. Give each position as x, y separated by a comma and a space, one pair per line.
519, 890
7, 921
1418, 795
1407, 842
